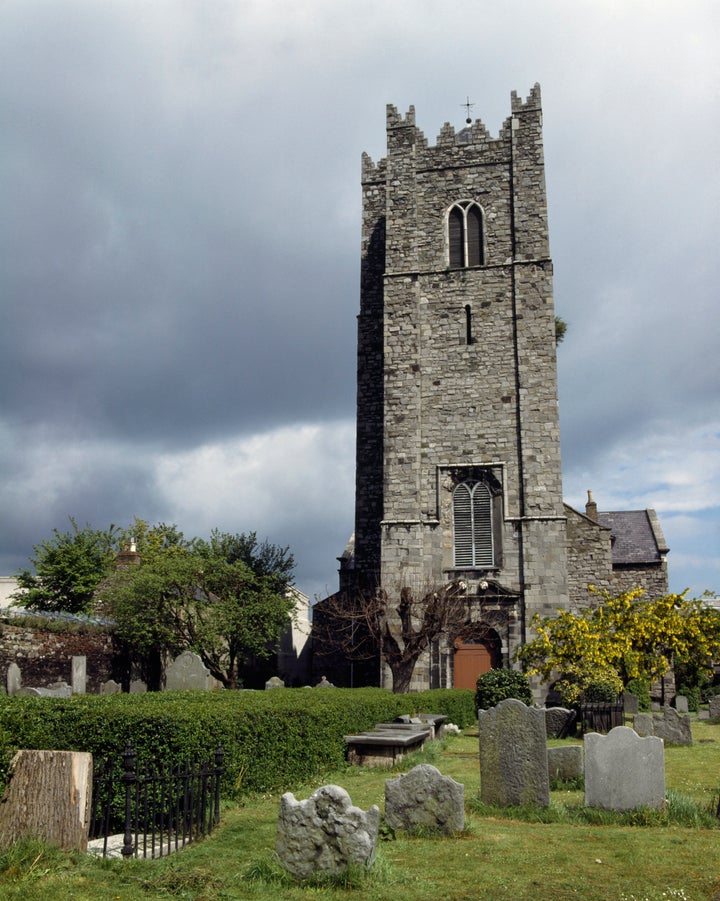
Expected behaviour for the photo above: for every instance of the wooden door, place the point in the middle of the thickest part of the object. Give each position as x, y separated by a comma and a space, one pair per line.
471, 660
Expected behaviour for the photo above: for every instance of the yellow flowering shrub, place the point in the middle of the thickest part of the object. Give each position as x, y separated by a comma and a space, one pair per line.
622, 638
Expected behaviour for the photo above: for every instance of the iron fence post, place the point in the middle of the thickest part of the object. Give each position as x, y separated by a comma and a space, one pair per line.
129, 778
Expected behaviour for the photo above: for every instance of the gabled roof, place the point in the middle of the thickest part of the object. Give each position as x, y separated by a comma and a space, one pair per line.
636, 537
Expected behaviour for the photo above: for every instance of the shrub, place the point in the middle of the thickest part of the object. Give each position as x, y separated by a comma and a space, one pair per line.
604, 687
692, 693
272, 739
499, 684
641, 689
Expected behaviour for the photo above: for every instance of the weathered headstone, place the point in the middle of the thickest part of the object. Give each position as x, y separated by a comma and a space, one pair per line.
424, 797
681, 704
138, 687
325, 833
559, 722
323, 683
14, 679
78, 678
673, 727
624, 771
714, 707
111, 687
513, 755
565, 762
643, 724
47, 796
187, 672
274, 682
631, 703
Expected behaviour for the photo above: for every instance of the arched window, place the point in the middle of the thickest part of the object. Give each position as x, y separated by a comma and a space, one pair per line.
465, 235
472, 525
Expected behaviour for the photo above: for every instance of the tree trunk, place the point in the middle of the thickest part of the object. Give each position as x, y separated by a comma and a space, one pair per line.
48, 796
402, 671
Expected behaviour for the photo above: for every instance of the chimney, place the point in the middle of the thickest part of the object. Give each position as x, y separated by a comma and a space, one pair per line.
591, 507
128, 556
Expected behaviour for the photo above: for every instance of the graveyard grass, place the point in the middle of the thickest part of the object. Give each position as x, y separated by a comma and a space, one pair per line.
498, 856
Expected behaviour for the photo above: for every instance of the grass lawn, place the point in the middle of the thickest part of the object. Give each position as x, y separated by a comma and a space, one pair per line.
497, 857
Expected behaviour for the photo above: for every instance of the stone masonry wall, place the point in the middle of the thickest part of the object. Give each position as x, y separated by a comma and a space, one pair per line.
45, 657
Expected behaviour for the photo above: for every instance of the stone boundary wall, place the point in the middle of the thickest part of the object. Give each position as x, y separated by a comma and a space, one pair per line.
44, 656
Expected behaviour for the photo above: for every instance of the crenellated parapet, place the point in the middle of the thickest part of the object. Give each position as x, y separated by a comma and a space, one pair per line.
473, 144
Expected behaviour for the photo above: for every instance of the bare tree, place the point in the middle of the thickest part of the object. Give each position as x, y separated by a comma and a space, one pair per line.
399, 628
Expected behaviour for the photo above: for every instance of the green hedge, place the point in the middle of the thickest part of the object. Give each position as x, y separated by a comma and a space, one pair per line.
272, 739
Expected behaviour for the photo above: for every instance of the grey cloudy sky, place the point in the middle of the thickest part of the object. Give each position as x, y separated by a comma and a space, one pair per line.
179, 252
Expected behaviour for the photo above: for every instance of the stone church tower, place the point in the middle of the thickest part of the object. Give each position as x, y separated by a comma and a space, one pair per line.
458, 444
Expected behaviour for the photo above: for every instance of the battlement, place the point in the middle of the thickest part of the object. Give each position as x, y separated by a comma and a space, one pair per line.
395, 120
533, 101
370, 170
449, 141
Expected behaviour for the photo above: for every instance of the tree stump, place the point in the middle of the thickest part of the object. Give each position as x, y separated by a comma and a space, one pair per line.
48, 796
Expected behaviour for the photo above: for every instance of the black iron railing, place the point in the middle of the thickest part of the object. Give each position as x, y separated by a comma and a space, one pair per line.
155, 808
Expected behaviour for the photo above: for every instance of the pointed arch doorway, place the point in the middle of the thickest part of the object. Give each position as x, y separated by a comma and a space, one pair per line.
475, 656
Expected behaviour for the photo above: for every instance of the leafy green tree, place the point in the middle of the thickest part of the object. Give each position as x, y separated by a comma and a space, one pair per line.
201, 596
263, 558
623, 638
67, 569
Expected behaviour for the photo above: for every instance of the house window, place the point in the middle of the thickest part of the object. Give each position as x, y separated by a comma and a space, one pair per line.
465, 235
472, 525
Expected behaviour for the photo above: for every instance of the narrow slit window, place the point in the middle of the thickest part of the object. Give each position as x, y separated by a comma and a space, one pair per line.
468, 324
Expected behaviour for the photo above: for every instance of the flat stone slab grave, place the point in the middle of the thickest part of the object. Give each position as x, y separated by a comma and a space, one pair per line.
384, 747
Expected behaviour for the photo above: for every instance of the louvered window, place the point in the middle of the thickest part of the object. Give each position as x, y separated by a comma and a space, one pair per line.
465, 235
472, 525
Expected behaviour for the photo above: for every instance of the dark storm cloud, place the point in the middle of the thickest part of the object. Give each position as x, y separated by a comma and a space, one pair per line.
180, 236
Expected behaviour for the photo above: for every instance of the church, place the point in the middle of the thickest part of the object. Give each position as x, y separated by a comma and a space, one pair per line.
458, 471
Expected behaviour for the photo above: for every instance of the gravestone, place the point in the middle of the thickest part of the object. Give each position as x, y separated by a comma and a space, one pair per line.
681, 704
274, 682
138, 687
323, 683
673, 727
187, 672
111, 687
565, 762
624, 771
424, 797
643, 724
631, 703
47, 796
513, 755
714, 707
559, 722
14, 679
78, 678
325, 833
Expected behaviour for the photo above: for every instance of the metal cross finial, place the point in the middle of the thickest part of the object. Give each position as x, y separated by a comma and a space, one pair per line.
468, 106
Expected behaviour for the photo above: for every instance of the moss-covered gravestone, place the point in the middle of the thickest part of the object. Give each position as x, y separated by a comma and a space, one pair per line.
513, 755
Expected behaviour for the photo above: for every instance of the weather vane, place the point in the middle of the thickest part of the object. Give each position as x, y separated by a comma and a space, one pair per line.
468, 106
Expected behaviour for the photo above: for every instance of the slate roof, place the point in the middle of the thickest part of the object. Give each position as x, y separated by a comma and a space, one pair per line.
636, 537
